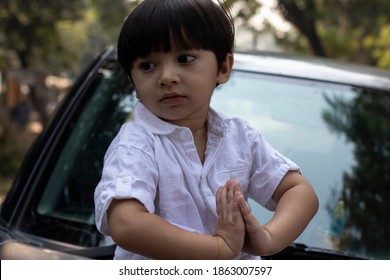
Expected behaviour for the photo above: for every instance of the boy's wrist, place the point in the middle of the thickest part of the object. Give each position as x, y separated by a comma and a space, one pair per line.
219, 247
224, 251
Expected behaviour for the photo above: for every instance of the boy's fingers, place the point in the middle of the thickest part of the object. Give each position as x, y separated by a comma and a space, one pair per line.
230, 194
236, 186
245, 211
233, 184
219, 200
224, 199
239, 197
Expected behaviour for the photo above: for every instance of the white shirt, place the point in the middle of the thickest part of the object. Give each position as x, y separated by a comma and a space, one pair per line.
157, 163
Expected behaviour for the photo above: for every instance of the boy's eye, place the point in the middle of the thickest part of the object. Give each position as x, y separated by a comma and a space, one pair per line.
146, 66
185, 58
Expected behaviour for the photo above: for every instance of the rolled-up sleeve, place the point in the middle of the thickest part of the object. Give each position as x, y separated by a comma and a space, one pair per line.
270, 166
129, 173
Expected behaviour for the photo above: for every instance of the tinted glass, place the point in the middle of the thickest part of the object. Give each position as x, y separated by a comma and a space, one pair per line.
339, 136
65, 210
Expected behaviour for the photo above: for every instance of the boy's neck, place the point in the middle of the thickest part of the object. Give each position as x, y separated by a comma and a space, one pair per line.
200, 141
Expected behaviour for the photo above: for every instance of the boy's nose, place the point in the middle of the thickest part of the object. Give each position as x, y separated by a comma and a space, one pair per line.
168, 76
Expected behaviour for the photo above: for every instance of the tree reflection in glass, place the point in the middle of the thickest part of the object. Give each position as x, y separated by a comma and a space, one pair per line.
363, 203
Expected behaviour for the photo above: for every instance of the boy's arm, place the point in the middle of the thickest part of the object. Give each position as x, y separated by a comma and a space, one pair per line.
133, 228
297, 204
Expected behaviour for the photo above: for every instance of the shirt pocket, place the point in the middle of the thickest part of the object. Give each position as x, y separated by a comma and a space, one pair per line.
239, 174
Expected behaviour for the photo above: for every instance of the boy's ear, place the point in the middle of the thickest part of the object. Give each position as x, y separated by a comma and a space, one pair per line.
226, 69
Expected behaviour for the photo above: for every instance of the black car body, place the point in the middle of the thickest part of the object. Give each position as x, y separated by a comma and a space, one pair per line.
331, 118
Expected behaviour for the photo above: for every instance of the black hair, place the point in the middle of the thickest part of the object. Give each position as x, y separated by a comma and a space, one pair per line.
191, 24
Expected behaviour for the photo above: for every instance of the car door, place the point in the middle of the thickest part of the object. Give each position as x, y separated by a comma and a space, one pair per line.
51, 203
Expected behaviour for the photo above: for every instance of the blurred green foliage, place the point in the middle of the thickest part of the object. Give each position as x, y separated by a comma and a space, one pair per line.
380, 46
350, 30
57, 36
11, 153
63, 36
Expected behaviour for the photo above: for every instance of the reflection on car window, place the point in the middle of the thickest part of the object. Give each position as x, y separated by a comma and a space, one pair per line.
339, 136
68, 196
360, 218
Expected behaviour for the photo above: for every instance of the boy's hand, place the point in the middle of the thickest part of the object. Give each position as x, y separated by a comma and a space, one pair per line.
230, 225
256, 237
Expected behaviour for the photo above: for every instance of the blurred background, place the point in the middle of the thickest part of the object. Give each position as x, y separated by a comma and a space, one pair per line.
45, 45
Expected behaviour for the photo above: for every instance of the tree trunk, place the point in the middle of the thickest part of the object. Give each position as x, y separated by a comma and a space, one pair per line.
304, 21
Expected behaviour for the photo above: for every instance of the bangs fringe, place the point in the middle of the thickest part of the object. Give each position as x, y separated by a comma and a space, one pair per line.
188, 24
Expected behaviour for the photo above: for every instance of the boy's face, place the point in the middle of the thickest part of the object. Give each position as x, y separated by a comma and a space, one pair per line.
177, 86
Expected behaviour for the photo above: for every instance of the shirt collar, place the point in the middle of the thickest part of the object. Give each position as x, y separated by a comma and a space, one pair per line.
151, 122
216, 122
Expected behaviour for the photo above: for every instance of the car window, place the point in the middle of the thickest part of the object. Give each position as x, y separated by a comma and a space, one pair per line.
71, 183
339, 136
65, 210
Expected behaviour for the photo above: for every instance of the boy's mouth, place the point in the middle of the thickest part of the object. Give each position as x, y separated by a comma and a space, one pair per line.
171, 98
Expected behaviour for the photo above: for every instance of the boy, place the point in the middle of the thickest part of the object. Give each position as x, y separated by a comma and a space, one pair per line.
160, 195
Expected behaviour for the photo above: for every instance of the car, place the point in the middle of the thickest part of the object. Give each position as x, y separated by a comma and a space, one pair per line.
332, 118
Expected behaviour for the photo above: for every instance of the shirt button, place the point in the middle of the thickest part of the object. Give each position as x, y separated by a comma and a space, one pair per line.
184, 134
125, 180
